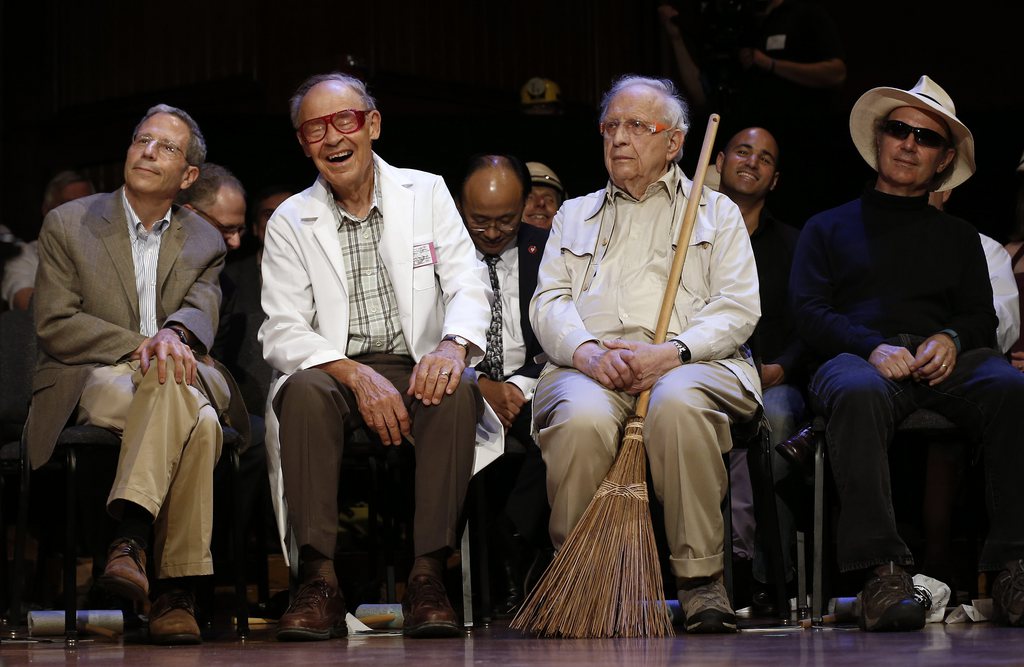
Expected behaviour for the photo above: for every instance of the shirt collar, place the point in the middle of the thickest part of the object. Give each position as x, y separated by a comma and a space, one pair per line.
344, 215
510, 251
135, 227
670, 183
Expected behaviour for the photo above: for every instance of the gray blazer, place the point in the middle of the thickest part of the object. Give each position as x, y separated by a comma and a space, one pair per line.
87, 306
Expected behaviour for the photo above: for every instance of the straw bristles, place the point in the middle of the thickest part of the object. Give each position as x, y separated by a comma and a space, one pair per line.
605, 581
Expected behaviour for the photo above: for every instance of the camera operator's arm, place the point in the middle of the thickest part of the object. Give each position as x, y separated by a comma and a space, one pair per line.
824, 74
689, 73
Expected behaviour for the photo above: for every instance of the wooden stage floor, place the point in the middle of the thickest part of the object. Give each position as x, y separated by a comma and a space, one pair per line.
938, 644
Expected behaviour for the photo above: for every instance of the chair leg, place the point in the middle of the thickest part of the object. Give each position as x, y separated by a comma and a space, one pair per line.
17, 611
727, 533
391, 521
819, 529
4, 579
372, 522
759, 460
467, 580
238, 538
70, 551
483, 578
262, 567
801, 575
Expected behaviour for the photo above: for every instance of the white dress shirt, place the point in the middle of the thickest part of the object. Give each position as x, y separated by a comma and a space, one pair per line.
1004, 293
145, 256
512, 339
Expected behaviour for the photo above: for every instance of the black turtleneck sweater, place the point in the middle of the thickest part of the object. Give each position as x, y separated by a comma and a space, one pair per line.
884, 265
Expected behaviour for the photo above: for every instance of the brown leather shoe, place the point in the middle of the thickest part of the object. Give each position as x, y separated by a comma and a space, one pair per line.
427, 611
799, 449
172, 619
125, 572
317, 612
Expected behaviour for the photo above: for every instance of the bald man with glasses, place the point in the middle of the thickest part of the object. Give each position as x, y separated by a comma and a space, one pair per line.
376, 305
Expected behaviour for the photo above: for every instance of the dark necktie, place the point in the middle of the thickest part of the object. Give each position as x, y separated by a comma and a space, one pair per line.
493, 365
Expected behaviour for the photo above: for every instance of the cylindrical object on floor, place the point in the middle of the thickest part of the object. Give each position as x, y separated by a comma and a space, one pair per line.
380, 616
95, 621
845, 610
675, 610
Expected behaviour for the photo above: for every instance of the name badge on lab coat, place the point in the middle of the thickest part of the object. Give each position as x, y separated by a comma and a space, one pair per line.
423, 254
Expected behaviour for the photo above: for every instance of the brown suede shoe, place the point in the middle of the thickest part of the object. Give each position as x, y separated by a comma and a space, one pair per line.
172, 619
427, 611
125, 572
317, 612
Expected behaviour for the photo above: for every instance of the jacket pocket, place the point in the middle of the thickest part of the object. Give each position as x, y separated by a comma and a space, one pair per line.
578, 255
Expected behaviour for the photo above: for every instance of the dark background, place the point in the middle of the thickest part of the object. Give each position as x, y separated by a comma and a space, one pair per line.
446, 74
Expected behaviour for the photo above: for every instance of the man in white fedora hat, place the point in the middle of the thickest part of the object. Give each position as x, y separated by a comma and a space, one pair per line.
893, 296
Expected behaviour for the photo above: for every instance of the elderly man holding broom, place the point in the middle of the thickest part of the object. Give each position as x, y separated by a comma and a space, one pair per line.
601, 283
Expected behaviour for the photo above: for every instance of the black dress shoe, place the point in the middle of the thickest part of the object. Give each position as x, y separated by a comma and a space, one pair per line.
512, 594
798, 450
762, 602
537, 568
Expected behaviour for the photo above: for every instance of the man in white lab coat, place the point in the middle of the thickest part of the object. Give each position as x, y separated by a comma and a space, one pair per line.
376, 304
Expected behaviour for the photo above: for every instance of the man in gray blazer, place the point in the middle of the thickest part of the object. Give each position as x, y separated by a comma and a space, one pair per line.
126, 301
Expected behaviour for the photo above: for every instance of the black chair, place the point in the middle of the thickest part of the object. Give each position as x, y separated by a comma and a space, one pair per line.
73, 441
17, 357
380, 468
766, 516
922, 424
383, 467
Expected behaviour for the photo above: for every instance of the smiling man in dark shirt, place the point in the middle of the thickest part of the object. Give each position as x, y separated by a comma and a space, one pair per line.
893, 295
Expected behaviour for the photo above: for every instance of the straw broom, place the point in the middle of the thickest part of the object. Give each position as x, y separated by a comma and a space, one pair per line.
606, 581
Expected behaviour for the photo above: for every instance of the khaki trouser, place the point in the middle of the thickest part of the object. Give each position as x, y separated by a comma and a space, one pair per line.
580, 425
170, 442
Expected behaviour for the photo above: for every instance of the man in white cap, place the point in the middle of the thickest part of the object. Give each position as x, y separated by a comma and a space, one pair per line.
893, 296
545, 198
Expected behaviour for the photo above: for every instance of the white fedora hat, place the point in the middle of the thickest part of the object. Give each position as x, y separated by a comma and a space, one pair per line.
875, 105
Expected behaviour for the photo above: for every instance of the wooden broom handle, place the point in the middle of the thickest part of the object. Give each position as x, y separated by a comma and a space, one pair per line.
682, 244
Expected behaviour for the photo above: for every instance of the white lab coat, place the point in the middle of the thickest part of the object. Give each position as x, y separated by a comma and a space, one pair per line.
306, 300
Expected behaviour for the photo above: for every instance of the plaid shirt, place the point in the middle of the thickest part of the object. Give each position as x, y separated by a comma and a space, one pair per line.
374, 325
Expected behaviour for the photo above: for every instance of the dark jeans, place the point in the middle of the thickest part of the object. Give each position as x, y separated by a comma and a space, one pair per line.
984, 395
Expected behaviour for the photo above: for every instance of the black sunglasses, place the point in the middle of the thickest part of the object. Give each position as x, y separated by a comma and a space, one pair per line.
922, 135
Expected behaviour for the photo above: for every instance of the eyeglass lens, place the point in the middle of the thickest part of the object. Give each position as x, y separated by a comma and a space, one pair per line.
346, 121
632, 126
922, 135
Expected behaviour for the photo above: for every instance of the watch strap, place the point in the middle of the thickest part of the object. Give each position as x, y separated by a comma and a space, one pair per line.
182, 336
684, 352
458, 340
955, 336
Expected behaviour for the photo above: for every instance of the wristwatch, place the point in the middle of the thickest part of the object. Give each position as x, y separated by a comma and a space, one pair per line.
956, 338
684, 352
458, 340
182, 336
